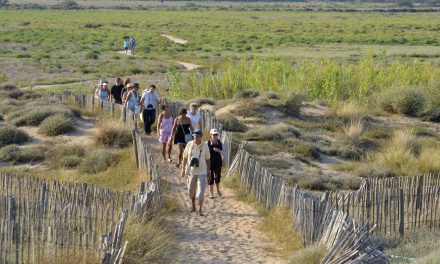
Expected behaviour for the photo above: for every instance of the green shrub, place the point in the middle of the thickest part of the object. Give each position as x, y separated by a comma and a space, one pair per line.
272, 133
56, 125
66, 156
34, 114
302, 148
112, 135
231, 123
202, 101
432, 115
10, 135
13, 153
408, 101
291, 104
8, 87
97, 161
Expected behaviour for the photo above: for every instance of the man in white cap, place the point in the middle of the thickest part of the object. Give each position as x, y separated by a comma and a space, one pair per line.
196, 162
216, 151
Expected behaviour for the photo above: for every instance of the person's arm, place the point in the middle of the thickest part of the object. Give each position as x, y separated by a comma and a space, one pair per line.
159, 122
157, 97
220, 148
141, 102
190, 125
208, 161
97, 92
200, 123
112, 97
173, 131
127, 99
185, 160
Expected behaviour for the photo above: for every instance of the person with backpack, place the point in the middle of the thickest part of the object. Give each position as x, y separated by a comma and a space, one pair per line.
149, 100
132, 101
132, 44
182, 132
126, 89
164, 130
126, 45
215, 150
196, 163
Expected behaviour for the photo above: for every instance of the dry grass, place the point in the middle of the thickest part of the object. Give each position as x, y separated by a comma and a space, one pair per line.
66, 257
111, 134
349, 110
278, 225
354, 129
309, 255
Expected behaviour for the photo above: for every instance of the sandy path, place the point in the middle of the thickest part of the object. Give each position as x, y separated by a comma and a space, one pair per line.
189, 66
228, 233
175, 39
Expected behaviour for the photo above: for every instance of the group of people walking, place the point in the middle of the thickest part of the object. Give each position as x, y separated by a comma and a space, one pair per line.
200, 161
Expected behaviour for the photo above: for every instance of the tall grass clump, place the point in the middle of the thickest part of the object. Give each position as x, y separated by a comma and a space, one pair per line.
310, 255
56, 125
349, 110
403, 100
354, 129
112, 135
11, 135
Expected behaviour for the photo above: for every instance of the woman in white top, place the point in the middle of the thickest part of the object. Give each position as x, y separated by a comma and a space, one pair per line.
194, 115
149, 100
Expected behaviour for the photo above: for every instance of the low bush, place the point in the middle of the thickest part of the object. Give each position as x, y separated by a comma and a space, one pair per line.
302, 148
231, 123
10, 135
291, 104
310, 255
408, 101
202, 101
378, 132
112, 135
432, 115
34, 114
246, 94
13, 153
97, 161
272, 133
8, 87
56, 125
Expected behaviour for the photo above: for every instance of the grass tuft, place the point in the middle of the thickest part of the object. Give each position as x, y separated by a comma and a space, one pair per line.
231, 123
13, 153
354, 129
309, 255
97, 161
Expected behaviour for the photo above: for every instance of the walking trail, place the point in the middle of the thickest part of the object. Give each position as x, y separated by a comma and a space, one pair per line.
227, 233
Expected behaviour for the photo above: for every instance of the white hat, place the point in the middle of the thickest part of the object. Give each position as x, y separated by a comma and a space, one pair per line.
213, 131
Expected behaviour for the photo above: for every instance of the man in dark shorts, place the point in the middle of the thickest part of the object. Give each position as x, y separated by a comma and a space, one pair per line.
215, 150
116, 91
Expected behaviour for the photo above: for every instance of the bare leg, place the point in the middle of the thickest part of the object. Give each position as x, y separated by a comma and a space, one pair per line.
193, 202
211, 189
170, 148
164, 146
200, 207
181, 149
218, 189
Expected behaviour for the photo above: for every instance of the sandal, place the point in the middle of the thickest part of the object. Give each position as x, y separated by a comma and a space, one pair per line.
177, 165
201, 214
193, 210
219, 193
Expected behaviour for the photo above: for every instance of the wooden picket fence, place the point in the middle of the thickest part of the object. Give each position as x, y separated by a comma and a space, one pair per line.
394, 205
314, 217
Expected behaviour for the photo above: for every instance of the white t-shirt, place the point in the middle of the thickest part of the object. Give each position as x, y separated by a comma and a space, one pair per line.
194, 119
150, 98
193, 150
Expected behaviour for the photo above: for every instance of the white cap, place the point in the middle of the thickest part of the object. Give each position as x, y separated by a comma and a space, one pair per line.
213, 131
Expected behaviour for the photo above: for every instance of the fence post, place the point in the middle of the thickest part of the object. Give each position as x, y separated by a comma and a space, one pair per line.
133, 134
401, 211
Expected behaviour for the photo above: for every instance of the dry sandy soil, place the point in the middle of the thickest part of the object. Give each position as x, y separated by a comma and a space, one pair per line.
227, 233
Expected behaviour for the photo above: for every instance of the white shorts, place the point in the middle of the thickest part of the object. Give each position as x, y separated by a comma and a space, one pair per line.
196, 186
